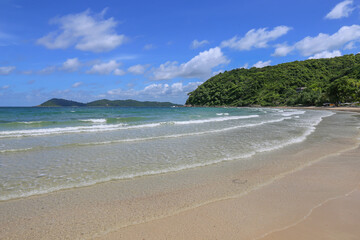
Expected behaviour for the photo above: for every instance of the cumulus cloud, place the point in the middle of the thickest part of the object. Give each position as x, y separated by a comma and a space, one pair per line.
85, 32
324, 42
196, 44
158, 90
343, 38
105, 68
343, 9
256, 38
138, 69
199, 66
349, 46
77, 84
119, 72
261, 64
282, 50
326, 54
6, 70
71, 65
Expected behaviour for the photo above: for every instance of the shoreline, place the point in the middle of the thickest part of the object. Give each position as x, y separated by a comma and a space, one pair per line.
152, 206
344, 109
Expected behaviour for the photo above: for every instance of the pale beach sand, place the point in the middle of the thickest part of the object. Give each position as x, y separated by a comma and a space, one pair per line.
308, 190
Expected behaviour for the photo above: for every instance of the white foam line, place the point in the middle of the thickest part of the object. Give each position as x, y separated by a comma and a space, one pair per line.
218, 119
121, 177
156, 172
94, 120
184, 134
103, 128
15, 150
154, 138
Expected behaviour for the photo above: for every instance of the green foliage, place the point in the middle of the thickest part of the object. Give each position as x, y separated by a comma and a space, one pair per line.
310, 82
58, 102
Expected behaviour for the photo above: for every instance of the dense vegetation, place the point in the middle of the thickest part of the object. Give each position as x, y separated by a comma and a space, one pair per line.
56, 102
310, 82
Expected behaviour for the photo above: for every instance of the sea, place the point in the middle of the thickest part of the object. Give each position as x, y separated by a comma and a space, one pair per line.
43, 150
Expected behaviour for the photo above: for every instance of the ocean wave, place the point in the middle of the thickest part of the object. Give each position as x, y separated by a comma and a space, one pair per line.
94, 120
108, 127
23, 194
15, 150
291, 113
273, 145
153, 138
182, 134
218, 119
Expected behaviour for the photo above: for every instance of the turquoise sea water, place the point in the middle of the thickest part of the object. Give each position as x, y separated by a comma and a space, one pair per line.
48, 149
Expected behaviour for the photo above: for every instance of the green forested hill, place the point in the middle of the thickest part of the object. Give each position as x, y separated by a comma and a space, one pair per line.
58, 102
310, 82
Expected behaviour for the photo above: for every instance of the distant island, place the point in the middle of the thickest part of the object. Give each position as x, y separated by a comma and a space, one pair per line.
313, 82
58, 102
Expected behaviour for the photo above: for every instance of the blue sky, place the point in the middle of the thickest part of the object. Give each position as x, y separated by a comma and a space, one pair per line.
157, 50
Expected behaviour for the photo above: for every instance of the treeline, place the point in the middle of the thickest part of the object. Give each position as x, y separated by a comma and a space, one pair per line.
310, 82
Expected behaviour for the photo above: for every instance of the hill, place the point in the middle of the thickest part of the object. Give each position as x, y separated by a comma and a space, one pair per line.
56, 102
309, 82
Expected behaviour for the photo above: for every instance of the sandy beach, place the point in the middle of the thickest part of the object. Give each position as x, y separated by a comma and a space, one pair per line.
309, 190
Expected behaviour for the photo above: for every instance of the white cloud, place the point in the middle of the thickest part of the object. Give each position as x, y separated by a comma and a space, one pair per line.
6, 70
326, 54
119, 72
345, 37
71, 65
105, 68
256, 38
158, 90
84, 31
282, 50
217, 72
5, 87
199, 66
349, 46
196, 44
77, 84
324, 42
246, 66
261, 64
341, 10
138, 69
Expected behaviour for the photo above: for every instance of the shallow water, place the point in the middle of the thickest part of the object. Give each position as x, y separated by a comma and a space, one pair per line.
48, 149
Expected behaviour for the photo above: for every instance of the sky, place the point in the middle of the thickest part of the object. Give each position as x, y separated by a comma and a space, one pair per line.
158, 50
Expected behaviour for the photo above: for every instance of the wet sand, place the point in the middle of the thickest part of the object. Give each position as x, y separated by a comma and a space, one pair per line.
319, 202
300, 191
